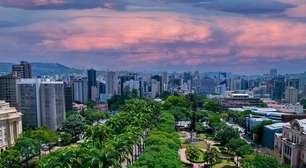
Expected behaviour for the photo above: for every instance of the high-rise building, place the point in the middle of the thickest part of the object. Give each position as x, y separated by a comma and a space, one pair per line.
132, 86
273, 72
42, 102
68, 97
156, 79
102, 88
92, 83
293, 83
304, 92
237, 84
277, 88
22, 70
291, 95
122, 80
8, 89
80, 90
10, 125
207, 86
164, 81
112, 83
94, 93
155, 88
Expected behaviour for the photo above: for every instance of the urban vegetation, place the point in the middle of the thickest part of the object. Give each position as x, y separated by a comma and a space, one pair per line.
110, 144
141, 134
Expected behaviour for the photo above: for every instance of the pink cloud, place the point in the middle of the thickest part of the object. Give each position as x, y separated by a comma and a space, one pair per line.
269, 40
191, 40
299, 11
30, 3
120, 30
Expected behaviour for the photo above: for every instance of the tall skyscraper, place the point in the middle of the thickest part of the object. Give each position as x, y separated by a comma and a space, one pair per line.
237, 84
123, 80
10, 125
42, 102
68, 97
80, 90
112, 83
102, 88
293, 83
156, 79
165, 81
291, 95
92, 82
155, 88
273, 72
277, 88
8, 89
22, 70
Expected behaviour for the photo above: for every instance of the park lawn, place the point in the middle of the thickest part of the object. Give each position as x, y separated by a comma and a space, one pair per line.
225, 164
201, 145
205, 136
184, 145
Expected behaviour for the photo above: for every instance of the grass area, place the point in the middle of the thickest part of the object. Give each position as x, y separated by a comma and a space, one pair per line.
184, 145
201, 145
205, 136
200, 159
225, 164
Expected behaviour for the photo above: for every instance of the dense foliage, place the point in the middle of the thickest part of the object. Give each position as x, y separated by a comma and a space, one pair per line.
161, 146
238, 116
303, 102
74, 125
262, 161
225, 133
212, 105
10, 159
194, 154
111, 144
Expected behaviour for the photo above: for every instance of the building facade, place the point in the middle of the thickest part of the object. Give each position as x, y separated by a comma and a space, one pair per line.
8, 89
238, 102
269, 132
92, 83
22, 70
291, 95
42, 102
290, 144
68, 97
80, 90
112, 83
10, 125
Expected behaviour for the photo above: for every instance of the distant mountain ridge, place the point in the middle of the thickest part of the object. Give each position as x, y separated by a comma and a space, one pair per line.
40, 69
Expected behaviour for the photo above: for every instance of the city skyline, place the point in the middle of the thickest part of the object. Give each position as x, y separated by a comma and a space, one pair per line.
220, 35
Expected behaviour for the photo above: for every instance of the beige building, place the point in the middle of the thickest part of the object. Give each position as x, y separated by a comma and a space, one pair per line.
291, 144
10, 125
291, 95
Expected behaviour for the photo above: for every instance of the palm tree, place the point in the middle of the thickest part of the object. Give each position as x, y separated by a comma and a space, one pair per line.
211, 156
100, 134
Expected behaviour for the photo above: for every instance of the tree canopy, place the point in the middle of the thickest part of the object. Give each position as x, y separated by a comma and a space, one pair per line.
262, 161
74, 125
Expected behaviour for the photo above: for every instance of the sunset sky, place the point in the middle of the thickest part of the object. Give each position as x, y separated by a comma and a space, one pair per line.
241, 36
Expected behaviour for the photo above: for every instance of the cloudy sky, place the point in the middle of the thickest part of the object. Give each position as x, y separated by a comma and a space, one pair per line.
241, 36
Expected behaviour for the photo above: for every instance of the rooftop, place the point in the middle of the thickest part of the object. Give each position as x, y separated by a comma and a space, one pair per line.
277, 125
38, 80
